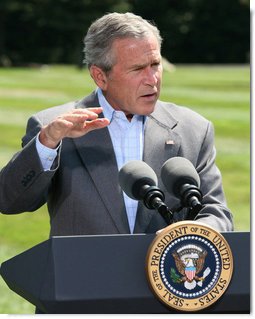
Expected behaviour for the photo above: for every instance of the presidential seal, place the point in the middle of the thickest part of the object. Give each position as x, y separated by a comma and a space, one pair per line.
189, 266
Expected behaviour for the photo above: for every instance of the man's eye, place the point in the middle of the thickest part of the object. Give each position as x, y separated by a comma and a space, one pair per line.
156, 64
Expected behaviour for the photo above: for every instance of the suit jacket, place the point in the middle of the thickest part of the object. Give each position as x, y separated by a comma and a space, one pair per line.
82, 190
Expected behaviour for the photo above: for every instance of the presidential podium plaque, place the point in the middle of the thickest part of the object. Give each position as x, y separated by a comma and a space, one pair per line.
189, 266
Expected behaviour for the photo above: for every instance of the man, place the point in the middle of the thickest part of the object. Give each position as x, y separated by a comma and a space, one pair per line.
72, 153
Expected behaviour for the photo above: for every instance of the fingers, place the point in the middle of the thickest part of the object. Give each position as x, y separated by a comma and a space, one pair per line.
79, 115
74, 124
96, 110
91, 112
75, 118
85, 119
95, 124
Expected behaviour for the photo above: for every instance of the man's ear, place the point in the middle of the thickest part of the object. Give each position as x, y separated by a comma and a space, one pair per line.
99, 76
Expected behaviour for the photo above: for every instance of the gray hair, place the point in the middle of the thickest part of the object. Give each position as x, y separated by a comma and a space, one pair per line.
101, 34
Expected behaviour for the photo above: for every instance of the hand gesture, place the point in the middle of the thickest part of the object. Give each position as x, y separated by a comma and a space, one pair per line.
76, 123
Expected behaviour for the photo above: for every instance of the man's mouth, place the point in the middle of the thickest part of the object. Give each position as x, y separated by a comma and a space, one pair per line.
149, 96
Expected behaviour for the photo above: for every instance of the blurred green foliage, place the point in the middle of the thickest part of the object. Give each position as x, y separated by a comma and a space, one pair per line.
194, 31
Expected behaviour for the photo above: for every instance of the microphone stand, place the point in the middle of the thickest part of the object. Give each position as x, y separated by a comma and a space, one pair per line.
191, 197
153, 198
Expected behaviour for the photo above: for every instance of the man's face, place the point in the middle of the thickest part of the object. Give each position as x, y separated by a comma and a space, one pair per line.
133, 84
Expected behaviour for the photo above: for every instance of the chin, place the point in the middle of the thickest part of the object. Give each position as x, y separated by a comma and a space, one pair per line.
147, 110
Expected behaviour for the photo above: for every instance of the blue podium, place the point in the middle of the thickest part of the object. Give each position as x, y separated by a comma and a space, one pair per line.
106, 274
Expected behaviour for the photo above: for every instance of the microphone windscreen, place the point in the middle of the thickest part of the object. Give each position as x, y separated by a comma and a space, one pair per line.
178, 171
135, 174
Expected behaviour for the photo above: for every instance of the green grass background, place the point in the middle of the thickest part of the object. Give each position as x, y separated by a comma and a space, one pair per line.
220, 93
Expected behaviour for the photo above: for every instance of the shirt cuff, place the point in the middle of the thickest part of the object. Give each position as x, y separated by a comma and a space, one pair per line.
47, 155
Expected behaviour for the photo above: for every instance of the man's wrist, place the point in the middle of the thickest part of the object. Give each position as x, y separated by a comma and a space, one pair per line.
47, 141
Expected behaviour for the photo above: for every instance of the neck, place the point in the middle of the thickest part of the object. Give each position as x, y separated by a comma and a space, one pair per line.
129, 117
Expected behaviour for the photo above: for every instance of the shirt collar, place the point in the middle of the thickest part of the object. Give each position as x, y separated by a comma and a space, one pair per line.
109, 111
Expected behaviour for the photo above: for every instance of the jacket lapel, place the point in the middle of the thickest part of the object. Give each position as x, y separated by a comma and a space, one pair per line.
160, 144
96, 151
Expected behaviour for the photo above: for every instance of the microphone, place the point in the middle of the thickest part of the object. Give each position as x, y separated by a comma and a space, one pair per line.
181, 179
139, 181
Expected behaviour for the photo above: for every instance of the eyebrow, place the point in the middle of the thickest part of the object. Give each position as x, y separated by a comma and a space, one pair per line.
138, 66
141, 66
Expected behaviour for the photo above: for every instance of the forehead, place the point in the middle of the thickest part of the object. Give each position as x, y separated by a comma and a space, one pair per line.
130, 49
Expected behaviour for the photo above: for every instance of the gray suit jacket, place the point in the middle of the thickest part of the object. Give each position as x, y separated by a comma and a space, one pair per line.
82, 190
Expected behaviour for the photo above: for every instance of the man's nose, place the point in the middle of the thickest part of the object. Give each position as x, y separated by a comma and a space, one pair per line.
150, 76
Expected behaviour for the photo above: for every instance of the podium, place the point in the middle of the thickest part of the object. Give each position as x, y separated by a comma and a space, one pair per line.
107, 274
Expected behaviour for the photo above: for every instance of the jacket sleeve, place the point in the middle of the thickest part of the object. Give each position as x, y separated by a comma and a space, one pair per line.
23, 182
214, 212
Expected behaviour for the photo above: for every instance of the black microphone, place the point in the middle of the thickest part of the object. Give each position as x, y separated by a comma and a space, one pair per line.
181, 179
138, 180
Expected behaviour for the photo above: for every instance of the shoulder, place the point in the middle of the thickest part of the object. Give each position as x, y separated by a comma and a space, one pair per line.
180, 113
190, 125
182, 118
47, 115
